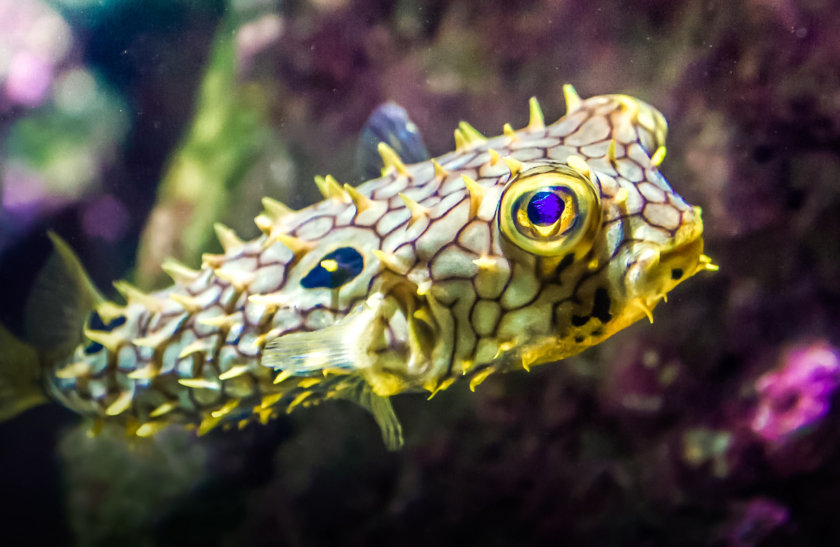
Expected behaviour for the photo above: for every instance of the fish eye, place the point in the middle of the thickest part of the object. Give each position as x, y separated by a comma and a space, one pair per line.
549, 211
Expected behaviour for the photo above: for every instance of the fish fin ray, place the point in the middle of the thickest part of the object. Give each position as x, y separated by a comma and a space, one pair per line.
333, 347
20, 387
381, 409
307, 352
388, 123
61, 300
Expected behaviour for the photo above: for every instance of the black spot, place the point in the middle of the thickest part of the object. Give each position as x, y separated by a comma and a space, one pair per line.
579, 339
598, 332
349, 264
601, 307
579, 321
95, 322
93, 347
676, 273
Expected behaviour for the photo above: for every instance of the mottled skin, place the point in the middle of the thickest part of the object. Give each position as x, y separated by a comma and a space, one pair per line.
444, 291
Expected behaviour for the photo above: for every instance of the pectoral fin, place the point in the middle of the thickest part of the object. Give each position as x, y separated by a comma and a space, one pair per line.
338, 346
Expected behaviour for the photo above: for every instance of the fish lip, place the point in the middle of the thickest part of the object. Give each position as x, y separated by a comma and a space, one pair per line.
685, 245
678, 263
658, 268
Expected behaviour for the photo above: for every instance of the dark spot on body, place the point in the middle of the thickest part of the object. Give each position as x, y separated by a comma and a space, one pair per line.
676, 273
95, 322
93, 347
579, 321
601, 307
579, 339
348, 263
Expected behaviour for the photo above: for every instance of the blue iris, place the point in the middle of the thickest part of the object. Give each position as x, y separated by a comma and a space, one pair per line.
545, 208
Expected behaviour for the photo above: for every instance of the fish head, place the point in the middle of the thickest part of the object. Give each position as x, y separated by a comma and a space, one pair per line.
598, 230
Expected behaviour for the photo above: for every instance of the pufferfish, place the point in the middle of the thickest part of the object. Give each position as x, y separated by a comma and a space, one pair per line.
507, 253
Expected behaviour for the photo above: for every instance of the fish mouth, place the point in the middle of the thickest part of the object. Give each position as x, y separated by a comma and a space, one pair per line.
684, 257
657, 269
681, 262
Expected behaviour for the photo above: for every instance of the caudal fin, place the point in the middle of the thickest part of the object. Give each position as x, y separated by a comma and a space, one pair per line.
20, 386
59, 304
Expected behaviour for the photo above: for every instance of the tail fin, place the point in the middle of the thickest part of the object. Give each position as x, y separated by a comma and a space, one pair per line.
20, 387
61, 300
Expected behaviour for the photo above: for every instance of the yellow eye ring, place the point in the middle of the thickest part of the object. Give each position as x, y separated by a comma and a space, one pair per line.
550, 211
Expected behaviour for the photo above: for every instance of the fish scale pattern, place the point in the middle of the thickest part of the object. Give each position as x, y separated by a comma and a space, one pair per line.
444, 290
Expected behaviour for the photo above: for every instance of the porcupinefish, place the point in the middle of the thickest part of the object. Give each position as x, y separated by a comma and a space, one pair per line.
507, 253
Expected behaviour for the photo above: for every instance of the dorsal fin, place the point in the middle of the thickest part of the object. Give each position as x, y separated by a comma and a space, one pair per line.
61, 300
389, 123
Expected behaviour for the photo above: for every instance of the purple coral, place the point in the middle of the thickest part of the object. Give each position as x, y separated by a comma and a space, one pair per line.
794, 401
756, 522
795, 397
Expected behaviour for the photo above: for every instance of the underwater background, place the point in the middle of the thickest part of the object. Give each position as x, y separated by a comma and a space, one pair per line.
130, 127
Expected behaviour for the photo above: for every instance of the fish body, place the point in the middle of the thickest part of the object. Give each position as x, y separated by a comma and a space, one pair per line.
507, 253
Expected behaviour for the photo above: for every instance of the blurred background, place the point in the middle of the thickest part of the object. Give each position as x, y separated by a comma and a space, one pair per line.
130, 127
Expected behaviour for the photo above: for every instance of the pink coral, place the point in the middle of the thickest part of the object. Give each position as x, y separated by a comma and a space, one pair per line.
757, 521
795, 396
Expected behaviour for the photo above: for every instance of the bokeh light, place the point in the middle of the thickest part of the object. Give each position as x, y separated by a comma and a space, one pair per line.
34, 40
